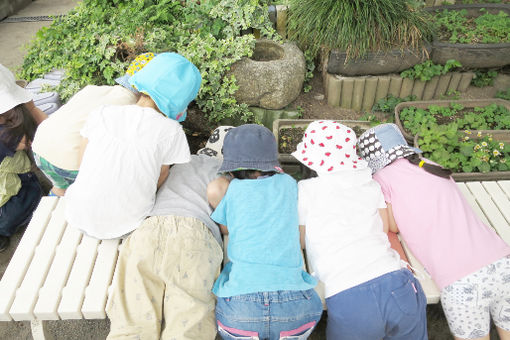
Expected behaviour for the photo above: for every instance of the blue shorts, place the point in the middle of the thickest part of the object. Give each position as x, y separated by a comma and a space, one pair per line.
391, 306
287, 314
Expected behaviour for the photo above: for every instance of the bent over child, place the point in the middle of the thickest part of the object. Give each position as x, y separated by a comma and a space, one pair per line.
129, 150
467, 260
263, 292
368, 294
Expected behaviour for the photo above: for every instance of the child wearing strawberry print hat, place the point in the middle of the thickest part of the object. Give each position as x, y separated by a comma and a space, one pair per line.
369, 294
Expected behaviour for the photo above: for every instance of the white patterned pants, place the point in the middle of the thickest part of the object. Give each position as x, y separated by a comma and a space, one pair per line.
165, 274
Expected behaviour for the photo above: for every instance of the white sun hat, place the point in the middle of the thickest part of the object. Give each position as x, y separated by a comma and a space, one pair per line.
11, 94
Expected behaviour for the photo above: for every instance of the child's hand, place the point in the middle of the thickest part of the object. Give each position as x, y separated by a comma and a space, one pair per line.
23, 144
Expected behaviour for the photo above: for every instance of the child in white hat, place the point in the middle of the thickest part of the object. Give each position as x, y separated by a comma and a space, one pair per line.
467, 260
368, 293
129, 150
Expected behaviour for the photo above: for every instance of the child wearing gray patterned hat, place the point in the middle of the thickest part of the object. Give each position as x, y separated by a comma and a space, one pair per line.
263, 292
467, 260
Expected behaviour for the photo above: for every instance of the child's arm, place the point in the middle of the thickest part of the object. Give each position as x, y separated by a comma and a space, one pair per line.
36, 112
389, 223
216, 189
165, 170
302, 232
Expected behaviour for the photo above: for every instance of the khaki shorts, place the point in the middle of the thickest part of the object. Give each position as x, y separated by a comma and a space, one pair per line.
162, 288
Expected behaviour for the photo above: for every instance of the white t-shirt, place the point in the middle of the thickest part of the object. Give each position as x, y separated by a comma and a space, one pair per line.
116, 186
345, 241
58, 139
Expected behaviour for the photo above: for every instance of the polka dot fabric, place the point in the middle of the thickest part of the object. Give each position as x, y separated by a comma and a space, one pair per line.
329, 146
383, 144
139, 62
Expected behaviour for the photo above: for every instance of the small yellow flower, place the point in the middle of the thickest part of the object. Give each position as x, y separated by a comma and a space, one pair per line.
477, 146
490, 139
466, 138
484, 143
467, 132
501, 145
495, 153
485, 158
479, 134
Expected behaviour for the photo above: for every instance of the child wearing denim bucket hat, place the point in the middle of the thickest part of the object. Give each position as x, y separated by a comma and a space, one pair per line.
263, 292
128, 150
340, 213
467, 260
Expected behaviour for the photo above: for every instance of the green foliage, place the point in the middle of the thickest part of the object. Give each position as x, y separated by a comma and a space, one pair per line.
95, 43
357, 26
310, 67
503, 94
484, 78
388, 103
463, 152
455, 26
428, 69
493, 116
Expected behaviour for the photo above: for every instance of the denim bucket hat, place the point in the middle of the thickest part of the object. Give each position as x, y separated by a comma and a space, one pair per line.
250, 147
172, 81
383, 144
136, 65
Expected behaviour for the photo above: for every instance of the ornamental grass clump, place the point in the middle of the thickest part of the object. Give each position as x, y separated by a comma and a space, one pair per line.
358, 26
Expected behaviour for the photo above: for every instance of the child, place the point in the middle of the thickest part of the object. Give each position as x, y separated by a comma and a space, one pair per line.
20, 191
263, 292
368, 295
57, 141
466, 259
129, 150
168, 265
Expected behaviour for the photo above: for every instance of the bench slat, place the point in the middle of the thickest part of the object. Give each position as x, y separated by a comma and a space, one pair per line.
472, 202
502, 201
490, 209
74, 291
97, 291
505, 185
28, 292
50, 293
20, 261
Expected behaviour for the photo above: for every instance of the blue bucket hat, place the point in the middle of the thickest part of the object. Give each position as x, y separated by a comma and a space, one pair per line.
383, 144
172, 81
250, 147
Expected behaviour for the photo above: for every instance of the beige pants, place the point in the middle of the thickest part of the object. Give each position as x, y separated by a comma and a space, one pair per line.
165, 274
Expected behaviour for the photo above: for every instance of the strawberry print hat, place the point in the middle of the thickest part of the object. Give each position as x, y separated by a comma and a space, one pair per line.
329, 147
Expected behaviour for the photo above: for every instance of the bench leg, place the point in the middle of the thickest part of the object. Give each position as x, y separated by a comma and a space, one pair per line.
39, 331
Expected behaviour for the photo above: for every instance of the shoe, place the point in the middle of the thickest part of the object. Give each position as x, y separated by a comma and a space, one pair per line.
4, 243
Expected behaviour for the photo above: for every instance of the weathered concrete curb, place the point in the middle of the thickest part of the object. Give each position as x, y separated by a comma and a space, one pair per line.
361, 93
8, 7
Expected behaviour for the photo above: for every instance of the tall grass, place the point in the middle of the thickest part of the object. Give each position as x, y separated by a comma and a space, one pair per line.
357, 26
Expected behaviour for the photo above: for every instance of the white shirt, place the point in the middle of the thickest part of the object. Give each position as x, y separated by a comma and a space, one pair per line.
58, 139
116, 185
345, 241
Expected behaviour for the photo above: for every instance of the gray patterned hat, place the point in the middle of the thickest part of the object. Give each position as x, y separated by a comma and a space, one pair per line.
383, 144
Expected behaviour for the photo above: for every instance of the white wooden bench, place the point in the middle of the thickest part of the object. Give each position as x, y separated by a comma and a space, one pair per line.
59, 273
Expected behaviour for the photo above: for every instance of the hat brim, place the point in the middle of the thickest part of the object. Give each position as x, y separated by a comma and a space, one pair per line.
124, 81
14, 97
267, 166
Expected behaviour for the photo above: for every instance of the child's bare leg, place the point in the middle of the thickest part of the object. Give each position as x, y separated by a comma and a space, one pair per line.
216, 189
58, 191
503, 334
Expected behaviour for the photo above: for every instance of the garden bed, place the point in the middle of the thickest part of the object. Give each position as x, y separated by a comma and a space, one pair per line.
485, 115
474, 34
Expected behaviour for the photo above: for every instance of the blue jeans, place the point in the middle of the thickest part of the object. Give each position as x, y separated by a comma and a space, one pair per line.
391, 306
285, 314
18, 209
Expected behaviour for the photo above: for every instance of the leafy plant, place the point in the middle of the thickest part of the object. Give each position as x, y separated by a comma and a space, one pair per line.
463, 152
484, 78
457, 27
503, 94
428, 69
357, 26
388, 103
95, 42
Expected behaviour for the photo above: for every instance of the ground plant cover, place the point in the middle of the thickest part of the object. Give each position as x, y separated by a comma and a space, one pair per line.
455, 26
482, 2
96, 41
490, 117
428, 69
463, 151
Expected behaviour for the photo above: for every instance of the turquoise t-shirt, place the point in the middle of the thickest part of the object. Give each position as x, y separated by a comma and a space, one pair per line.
264, 250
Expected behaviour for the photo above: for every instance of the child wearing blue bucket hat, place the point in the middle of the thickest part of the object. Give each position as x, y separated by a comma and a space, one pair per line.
467, 260
263, 292
128, 149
